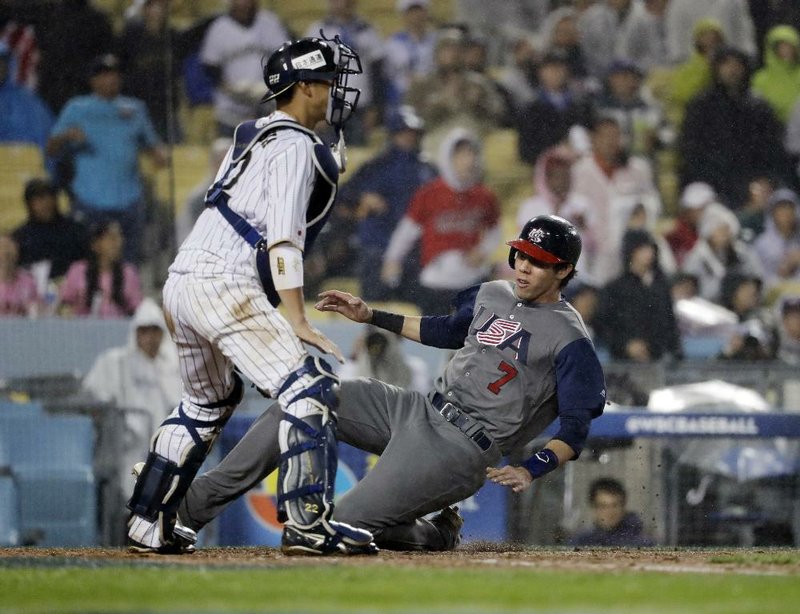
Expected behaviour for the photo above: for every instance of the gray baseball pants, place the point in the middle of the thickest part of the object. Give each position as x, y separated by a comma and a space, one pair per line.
425, 464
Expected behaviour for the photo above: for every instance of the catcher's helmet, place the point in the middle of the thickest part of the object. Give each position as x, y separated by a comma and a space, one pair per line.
547, 238
316, 59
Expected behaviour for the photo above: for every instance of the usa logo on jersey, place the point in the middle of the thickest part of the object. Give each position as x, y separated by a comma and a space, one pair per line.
502, 334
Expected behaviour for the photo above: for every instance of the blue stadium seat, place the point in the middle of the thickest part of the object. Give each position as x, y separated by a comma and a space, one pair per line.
9, 511
51, 462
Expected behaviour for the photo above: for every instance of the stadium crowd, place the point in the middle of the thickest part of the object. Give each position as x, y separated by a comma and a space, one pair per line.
667, 130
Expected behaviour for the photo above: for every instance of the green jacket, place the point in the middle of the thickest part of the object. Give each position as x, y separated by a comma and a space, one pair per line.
779, 81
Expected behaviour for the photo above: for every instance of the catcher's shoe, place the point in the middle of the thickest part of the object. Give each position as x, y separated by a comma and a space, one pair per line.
449, 522
327, 538
182, 542
183, 538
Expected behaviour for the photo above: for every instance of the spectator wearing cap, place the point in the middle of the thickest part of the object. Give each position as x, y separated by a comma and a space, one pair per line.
719, 252
409, 52
778, 82
48, 236
548, 119
343, 19
642, 37
642, 120
600, 27
789, 330
377, 197
24, 117
635, 319
103, 134
683, 235
729, 136
778, 247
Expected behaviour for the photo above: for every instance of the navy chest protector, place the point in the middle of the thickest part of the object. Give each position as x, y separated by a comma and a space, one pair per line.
246, 137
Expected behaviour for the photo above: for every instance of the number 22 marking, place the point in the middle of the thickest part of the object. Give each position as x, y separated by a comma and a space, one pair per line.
510, 373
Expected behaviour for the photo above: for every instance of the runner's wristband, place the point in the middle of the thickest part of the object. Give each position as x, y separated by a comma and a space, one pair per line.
544, 461
393, 322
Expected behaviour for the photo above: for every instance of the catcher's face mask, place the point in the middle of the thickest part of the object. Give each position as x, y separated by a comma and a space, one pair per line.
343, 99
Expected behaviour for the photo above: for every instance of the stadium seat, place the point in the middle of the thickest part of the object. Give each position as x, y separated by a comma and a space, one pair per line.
9, 510
50, 459
19, 162
10, 408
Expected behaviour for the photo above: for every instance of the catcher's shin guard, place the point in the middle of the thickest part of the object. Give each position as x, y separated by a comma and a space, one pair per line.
177, 451
308, 444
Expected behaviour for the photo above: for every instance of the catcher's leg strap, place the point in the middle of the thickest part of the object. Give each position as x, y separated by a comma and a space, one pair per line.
308, 445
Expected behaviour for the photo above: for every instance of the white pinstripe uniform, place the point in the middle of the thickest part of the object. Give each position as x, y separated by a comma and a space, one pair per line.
216, 308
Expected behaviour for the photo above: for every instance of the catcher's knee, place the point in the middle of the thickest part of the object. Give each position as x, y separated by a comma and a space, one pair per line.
312, 388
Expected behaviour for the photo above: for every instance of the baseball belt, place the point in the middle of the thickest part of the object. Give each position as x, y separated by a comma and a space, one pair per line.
471, 428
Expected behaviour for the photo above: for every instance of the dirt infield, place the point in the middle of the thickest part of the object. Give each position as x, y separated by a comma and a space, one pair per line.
716, 561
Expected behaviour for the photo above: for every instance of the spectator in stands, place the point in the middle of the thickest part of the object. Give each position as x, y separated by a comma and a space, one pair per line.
644, 216
150, 60
456, 218
378, 196
553, 193
683, 235
642, 37
612, 181
600, 27
732, 15
778, 82
409, 52
719, 252
676, 87
232, 52
378, 354
196, 201
518, 76
560, 34
641, 119
103, 285
140, 375
778, 247
635, 319
548, 119
342, 19
730, 137
752, 338
614, 525
47, 235
24, 117
71, 36
585, 298
684, 286
789, 331
453, 96
18, 295
103, 134
752, 213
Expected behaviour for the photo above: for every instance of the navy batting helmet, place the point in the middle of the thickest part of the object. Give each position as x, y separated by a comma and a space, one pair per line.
316, 59
547, 238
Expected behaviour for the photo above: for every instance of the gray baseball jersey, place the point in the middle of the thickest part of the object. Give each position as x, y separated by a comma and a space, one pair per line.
519, 366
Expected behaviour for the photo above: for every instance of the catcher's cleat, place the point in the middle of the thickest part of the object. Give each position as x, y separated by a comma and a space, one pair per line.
449, 522
183, 541
327, 538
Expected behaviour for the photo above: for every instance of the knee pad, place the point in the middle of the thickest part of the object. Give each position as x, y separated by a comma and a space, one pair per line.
307, 471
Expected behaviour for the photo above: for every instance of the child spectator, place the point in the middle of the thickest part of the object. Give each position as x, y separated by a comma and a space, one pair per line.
102, 286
